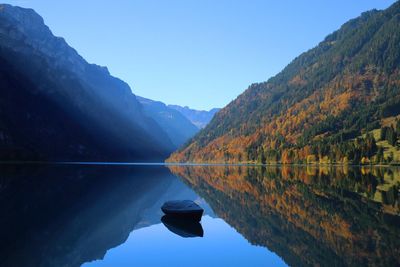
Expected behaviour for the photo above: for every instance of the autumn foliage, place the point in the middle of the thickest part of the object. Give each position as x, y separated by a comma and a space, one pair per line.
317, 106
310, 216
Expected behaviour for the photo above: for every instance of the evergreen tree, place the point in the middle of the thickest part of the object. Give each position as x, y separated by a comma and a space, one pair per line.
379, 156
383, 133
370, 145
391, 136
261, 156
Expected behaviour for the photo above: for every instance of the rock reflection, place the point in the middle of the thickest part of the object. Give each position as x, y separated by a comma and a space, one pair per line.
66, 215
183, 228
309, 216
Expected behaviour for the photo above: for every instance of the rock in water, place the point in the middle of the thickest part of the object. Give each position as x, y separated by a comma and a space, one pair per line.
183, 209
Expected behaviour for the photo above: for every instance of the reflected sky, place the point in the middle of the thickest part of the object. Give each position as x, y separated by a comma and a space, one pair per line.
156, 246
109, 215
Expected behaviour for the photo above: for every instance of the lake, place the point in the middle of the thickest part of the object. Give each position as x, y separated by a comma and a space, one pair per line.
109, 215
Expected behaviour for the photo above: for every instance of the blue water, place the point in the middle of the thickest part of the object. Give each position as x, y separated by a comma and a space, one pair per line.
157, 246
108, 214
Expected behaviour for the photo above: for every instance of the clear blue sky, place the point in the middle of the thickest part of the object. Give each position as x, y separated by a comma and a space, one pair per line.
201, 53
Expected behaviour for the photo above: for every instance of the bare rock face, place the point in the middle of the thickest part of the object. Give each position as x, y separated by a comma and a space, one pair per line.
58, 106
23, 27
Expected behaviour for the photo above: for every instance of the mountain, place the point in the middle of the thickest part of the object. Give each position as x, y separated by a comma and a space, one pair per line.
308, 216
321, 108
200, 118
178, 128
57, 106
66, 215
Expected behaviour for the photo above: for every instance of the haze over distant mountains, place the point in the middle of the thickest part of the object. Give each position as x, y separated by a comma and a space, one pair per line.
328, 105
178, 128
57, 106
180, 123
200, 118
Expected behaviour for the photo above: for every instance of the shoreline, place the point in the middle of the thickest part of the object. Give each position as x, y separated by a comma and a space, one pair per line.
123, 163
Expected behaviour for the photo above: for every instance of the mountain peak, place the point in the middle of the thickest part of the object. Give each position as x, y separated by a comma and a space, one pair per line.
45, 81
325, 97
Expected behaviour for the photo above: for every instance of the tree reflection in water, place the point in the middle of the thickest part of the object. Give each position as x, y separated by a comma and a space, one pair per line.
331, 216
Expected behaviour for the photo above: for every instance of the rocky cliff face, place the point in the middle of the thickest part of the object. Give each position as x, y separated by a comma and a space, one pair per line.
59, 107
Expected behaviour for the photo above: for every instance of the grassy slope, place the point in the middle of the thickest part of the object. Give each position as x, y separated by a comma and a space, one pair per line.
388, 149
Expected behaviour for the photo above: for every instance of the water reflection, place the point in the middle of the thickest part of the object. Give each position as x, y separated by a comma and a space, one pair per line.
309, 216
68, 215
221, 245
183, 228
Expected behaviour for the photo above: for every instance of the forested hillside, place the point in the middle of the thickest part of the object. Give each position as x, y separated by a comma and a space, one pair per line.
326, 106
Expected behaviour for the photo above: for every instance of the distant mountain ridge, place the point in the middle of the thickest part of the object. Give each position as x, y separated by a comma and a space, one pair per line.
200, 118
320, 108
56, 106
178, 128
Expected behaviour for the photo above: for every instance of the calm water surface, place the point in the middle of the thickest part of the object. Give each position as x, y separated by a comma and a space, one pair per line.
99, 215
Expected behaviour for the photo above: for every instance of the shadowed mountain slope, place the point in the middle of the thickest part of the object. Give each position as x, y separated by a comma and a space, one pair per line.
178, 128
56, 106
200, 118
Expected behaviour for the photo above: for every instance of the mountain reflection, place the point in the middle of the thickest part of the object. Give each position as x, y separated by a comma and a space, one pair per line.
65, 215
330, 216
